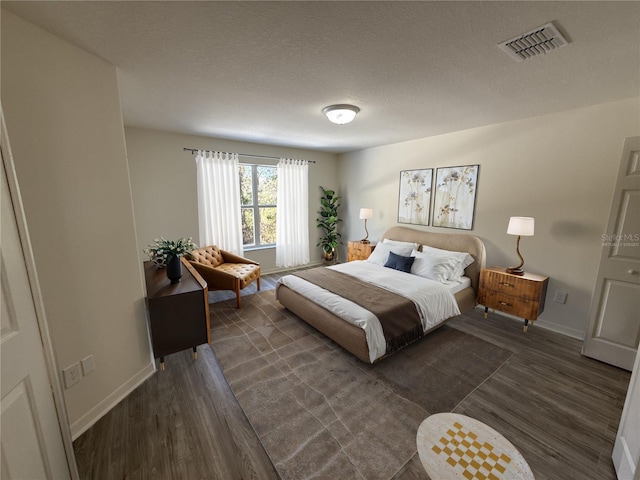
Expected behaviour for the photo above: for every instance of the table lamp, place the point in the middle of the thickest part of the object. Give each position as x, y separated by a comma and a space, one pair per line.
365, 214
520, 226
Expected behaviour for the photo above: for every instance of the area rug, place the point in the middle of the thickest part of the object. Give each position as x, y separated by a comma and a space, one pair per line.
322, 413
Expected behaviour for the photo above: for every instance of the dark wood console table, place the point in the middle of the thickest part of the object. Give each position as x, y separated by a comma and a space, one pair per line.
178, 312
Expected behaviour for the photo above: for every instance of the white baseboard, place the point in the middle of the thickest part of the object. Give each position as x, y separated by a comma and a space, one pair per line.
101, 409
569, 332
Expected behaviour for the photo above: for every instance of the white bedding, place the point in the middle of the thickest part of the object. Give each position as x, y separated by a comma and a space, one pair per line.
435, 302
460, 285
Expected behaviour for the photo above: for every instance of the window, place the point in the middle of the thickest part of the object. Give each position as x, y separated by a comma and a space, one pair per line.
258, 194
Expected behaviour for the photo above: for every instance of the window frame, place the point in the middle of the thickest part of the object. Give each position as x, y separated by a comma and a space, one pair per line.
256, 206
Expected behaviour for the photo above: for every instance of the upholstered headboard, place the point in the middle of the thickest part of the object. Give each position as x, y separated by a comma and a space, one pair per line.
457, 242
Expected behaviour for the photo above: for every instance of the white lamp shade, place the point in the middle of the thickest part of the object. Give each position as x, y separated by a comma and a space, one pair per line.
366, 213
521, 226
341, 114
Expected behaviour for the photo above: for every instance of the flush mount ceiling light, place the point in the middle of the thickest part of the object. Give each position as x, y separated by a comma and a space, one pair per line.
340, 114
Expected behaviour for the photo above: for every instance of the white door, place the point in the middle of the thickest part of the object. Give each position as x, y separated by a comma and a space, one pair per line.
613, 331
626, 450
34, 438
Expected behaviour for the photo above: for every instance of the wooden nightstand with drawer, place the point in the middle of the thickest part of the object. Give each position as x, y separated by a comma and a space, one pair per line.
519, 295
359, 251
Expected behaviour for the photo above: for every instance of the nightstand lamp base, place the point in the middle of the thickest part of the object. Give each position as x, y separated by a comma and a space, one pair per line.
365, 214
519, 226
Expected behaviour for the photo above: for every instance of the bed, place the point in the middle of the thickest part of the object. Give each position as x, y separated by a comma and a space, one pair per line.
326, 311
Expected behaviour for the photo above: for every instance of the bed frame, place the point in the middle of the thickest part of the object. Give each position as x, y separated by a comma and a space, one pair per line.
351, 337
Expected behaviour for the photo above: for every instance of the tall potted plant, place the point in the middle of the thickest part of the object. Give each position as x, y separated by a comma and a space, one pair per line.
328, 222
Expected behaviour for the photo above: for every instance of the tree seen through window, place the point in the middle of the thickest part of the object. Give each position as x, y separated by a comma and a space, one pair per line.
258, 195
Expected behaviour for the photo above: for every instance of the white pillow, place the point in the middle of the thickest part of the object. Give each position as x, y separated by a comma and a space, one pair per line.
464, 259
440, 268
380, 254
398, 243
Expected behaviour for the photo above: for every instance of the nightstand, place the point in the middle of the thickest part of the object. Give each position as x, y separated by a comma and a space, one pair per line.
519, 295
359, 251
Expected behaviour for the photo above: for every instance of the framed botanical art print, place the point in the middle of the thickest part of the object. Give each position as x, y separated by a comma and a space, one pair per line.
414, 203
455, 197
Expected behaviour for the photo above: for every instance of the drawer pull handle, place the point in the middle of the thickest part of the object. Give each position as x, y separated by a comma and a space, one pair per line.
505, 304
632, 272
506, 284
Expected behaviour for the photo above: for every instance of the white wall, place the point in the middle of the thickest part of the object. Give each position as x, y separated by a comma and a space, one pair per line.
62, 110
163, 180
559, 168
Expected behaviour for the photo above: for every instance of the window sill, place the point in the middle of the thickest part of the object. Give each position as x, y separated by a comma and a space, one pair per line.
261, 247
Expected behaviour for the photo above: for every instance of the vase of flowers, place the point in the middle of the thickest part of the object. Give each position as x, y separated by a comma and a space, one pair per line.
167, 253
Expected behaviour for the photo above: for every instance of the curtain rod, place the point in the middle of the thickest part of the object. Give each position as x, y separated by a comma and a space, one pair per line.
193, 150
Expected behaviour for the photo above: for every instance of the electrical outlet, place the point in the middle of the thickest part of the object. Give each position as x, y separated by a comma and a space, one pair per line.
87, 365
72, 375
560, 296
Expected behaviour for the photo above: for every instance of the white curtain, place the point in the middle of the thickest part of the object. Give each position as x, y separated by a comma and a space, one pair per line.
219, 200
292, 225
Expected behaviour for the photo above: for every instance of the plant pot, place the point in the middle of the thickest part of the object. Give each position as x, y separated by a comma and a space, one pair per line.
329, 255
174, 269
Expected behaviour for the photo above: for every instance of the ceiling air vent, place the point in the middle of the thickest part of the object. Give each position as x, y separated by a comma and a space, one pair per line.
540, 40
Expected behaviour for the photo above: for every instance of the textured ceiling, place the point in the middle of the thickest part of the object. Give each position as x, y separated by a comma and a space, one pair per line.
263, 71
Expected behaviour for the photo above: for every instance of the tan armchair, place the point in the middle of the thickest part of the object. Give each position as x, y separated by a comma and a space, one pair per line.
223, 270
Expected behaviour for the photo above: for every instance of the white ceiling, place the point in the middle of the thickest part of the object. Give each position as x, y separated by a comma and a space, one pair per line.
263, 71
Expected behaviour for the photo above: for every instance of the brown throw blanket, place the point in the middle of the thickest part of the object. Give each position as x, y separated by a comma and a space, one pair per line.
398, 315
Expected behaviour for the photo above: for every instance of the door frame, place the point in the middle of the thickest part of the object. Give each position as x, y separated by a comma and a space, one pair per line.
29, 259
626, 460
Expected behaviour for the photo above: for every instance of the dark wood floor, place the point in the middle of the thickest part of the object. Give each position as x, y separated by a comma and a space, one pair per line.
560, 409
